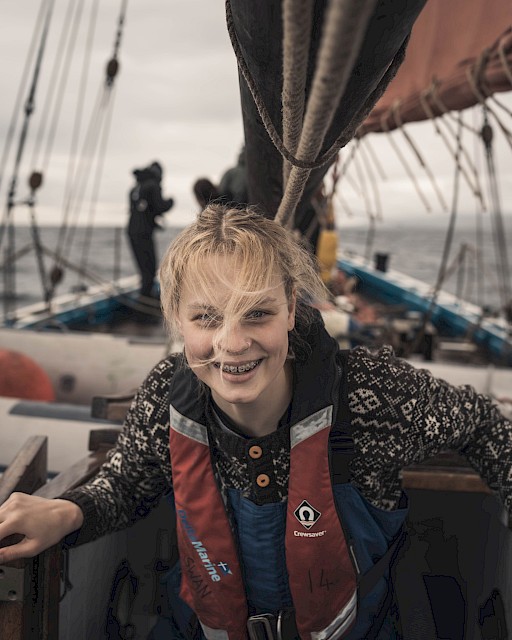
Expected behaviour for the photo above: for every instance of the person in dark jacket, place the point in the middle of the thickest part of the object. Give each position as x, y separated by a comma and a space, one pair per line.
233, 183
205, 192
146, 204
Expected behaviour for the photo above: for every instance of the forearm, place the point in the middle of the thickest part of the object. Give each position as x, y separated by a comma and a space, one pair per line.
137, 471
110, 504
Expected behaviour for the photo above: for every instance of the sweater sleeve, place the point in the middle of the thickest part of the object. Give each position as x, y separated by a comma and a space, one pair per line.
137, 471
403, 415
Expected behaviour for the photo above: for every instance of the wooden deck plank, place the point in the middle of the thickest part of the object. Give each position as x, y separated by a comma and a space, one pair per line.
27, 472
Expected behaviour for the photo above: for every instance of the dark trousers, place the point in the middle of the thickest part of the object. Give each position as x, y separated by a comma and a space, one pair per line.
143, 249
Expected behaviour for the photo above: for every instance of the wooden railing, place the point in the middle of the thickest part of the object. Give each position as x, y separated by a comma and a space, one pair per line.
30, 588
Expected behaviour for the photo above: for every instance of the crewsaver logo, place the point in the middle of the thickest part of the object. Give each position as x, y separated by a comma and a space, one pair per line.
306, 514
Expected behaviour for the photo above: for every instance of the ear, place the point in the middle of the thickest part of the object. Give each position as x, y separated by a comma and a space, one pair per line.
292, 304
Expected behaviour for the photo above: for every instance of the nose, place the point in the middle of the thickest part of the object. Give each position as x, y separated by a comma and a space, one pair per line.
234, 341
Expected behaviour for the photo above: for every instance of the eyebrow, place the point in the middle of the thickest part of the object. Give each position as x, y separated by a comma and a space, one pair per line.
200, 306
203, 306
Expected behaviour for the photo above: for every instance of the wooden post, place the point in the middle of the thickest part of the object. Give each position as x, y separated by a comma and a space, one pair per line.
27, 472
20, 615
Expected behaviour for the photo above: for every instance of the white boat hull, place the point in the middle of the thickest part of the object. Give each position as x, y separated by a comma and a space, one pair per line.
83, 365
66, 426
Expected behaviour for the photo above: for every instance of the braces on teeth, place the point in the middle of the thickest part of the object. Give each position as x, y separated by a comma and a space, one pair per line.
241, 369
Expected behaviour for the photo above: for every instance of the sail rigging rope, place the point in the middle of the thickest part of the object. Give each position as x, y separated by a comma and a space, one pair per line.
343, 30
93, 151
405, 164
363, 186
29, 108
423, 163
433, 94
502, 264
479, 225
9, 274
367, 166
343, 172
371, 152
56, 84
50, 115
441, 274
97, 181
77, 126
11, 254
507, 69
475, 187
366, 155
297, 26
21, 92
474, 80
501, 105
77, 191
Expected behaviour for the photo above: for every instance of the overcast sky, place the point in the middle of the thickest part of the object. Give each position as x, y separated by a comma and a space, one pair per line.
176, 100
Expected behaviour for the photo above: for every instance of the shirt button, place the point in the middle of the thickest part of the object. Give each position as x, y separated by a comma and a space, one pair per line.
255, 452
263, 480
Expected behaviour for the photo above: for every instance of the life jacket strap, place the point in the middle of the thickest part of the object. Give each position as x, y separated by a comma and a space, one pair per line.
267, 626
341, 443
368, 580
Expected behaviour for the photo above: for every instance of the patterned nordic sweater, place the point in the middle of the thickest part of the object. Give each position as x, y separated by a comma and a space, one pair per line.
400, 415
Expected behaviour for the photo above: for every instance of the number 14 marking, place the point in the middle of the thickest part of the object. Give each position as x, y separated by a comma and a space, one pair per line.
320, 581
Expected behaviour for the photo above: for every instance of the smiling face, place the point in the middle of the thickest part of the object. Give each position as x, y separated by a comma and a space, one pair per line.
237, 343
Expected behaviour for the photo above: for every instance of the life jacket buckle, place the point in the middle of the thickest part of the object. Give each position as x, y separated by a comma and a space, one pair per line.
266, 626
262, 627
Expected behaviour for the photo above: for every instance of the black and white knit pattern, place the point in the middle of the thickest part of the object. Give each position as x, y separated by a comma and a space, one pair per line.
400, 415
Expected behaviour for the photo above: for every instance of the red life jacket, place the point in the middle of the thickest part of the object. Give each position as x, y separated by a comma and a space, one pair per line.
318, 557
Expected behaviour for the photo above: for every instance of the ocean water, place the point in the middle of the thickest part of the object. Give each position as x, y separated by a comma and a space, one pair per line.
415, 249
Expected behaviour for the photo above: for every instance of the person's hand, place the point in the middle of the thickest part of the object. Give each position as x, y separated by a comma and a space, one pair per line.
41, 522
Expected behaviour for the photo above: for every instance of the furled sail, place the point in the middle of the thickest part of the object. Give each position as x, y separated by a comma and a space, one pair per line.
361, 57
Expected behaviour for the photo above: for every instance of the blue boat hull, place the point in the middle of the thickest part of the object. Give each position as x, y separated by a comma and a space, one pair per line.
451, 317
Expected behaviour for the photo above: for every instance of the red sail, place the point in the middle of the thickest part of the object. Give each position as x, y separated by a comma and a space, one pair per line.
459, 53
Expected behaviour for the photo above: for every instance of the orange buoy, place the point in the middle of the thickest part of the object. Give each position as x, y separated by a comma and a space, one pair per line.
21, 377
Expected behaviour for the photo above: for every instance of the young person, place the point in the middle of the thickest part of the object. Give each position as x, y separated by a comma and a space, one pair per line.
285, 452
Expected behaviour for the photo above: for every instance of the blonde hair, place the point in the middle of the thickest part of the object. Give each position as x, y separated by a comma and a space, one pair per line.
265, 254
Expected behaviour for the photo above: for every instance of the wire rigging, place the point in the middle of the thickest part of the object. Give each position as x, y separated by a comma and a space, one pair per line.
97, 183
93, 153
21, 91
53, 83
9, 272
73, 151
502, 264
441, 274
